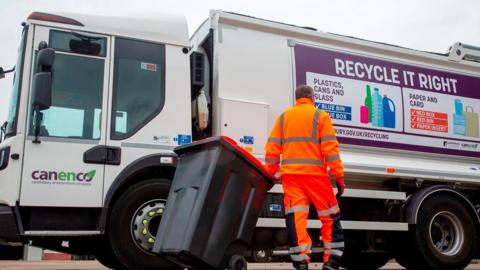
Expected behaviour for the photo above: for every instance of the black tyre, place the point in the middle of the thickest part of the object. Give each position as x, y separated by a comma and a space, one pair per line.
403, 252
133, 224
106, 257
237, 262
364, 261
445, 236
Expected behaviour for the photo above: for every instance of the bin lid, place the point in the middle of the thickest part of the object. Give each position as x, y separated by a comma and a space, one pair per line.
231, 145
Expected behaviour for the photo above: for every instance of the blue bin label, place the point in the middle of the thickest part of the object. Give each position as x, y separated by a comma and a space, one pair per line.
274, 207
247, 140
339, 112
183, 139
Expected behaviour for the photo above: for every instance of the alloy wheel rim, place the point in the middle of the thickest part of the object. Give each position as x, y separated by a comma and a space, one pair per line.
446, 233
145, 223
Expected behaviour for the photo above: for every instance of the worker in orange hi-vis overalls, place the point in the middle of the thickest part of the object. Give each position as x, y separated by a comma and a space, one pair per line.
303, 141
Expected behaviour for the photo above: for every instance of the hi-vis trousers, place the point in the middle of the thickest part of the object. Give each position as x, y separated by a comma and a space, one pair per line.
299, 190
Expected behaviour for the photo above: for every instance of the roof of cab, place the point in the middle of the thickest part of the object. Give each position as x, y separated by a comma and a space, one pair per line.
164, 28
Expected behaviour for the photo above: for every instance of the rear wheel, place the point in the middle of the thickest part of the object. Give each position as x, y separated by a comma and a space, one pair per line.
444, 237
133, 225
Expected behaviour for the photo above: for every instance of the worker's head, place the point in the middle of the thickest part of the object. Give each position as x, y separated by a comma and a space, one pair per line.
304, 91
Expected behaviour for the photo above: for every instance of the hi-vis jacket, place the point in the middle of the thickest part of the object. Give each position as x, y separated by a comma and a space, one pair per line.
305, 139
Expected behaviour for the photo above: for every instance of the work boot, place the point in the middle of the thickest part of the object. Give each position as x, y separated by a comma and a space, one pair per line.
331, 265
300, 266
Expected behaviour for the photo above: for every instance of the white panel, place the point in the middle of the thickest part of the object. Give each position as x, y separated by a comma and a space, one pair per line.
41, 180
255, 66
346, 224
246, 123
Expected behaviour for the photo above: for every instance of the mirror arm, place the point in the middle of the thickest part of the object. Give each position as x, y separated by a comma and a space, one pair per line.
3, 72
38, 121
3, 130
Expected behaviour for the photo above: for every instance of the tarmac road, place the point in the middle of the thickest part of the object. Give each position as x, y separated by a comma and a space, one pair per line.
93, 265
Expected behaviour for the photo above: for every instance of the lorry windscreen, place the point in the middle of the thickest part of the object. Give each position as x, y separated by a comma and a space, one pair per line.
11, 124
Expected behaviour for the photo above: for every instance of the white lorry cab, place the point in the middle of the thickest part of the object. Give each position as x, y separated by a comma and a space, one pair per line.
100, 102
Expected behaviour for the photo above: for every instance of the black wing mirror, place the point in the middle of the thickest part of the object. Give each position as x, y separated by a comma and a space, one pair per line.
42, 87
42, 80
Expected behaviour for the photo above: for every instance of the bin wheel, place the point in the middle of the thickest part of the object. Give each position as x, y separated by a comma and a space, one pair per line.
237, 262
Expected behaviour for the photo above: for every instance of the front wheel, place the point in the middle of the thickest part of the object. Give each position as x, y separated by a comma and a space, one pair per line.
133, 225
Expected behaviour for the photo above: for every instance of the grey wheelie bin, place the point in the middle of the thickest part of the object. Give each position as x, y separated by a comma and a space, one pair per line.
213, 205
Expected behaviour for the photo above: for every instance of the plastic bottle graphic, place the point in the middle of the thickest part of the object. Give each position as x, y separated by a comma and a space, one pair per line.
459, 121
458, 106
364, 114
368, 104
388, 112
377, 118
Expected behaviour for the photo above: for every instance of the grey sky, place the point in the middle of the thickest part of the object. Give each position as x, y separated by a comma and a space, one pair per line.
430, 25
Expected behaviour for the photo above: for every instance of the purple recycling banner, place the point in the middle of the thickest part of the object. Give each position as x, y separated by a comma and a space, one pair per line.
382, 103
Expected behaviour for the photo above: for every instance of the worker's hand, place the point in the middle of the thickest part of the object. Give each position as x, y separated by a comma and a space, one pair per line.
340, 187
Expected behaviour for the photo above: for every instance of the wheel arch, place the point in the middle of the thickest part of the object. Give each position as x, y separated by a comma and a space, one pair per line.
143, 168
417, 199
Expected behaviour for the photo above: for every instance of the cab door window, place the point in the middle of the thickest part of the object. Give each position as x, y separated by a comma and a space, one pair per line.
138, 85
77, 92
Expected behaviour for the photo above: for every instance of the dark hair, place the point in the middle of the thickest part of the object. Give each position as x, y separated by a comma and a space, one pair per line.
303, 91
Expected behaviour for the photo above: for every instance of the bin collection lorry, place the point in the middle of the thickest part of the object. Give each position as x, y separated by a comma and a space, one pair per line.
99, 103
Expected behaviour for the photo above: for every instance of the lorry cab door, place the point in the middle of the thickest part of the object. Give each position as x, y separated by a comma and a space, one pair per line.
66, 167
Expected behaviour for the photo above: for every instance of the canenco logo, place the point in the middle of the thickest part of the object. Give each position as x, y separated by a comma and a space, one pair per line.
63, 176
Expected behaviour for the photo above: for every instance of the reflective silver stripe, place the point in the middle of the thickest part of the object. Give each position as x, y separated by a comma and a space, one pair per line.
328, 212
300, 139
299, 258
328, 138
274, 140
300, 208
302, 161
272, 160
315, 124
334, 244
332, 158
282, 135
298, 249
334, 252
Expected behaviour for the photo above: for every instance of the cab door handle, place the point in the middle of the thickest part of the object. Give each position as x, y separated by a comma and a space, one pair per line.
103, 154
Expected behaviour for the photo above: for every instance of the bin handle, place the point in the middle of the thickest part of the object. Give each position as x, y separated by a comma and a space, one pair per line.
471, 109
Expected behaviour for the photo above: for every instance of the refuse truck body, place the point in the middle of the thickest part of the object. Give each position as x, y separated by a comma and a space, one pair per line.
99, 103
